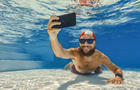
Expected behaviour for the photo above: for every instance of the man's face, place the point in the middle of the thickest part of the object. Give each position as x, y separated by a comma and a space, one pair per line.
86, 47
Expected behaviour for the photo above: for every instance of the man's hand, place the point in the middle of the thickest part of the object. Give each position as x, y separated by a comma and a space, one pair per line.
51, 24
116, 80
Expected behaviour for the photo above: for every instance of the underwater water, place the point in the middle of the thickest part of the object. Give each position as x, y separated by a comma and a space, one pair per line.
25, 44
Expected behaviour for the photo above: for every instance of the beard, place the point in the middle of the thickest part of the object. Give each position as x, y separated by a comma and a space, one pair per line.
89, 53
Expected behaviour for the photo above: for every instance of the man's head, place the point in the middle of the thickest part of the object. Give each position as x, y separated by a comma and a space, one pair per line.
87, 43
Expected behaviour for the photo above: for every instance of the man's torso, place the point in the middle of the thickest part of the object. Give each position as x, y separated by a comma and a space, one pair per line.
84, 64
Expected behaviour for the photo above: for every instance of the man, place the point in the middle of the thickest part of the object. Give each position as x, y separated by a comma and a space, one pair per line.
85, 59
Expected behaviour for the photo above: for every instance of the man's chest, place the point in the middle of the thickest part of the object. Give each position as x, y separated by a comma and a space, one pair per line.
87, 62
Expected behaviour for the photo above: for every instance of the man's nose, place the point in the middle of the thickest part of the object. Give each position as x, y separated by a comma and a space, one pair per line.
85, 43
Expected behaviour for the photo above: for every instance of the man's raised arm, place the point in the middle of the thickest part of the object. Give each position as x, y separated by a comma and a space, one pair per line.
58, 50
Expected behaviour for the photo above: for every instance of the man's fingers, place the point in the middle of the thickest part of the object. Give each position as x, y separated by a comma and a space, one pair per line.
50, 25
116, 82
109, 80
112, 81
53, 17
119, 82
55, 23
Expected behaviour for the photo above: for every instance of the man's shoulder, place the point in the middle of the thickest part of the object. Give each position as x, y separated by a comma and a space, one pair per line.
99, 53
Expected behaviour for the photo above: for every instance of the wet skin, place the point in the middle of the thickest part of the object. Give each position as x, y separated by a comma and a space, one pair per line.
83, 64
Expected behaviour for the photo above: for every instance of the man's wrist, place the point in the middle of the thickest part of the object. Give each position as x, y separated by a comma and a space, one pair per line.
53, 37
119, 75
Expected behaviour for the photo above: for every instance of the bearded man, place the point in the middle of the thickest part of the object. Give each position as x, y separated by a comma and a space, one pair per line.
86, 59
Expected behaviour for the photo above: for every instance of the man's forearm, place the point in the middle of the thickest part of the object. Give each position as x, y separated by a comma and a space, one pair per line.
56, 46
58, 50
115, 69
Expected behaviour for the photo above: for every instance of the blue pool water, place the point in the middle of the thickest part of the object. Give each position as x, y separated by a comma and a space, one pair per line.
24, 41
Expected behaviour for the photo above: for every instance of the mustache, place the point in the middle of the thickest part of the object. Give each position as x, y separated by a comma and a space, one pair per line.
85, 46
89, 53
